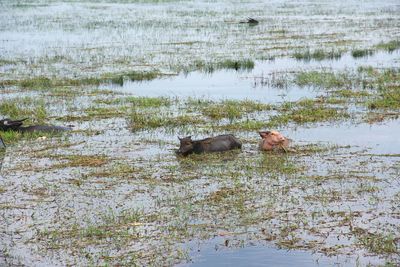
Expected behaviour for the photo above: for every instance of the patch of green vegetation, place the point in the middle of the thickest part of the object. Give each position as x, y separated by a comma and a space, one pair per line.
322, 79
361, 52
25, 107
147, 102
347, 93
307, 115
278, 163
7, 62
246, 125
103, 112
388, 89
318, 54
278, 31
306, 111
387, 99
300, 112
209, 67
232, 109
121, 170
150, 120
378, 243
79, 161
46, 83
389, 46
245, 64
11, 137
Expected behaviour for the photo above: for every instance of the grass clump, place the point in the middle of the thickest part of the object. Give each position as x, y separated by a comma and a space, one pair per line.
209, 67
11, 137
149, 102
379, 243
40, 82
145, 120
102, 112
306, 111
347, 93
244, 64
318, 54
389, 98
46, 83
322, 79
232, 109
361, 52
389, 46
25, 107
80, 161
388, 90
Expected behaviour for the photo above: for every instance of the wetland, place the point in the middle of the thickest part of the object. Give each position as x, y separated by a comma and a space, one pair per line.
130, 77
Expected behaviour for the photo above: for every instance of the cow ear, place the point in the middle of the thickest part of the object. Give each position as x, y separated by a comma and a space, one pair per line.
263, 134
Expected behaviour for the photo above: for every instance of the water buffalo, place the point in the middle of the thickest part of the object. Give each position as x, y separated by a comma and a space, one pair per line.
17, 125
273, 140
212, 144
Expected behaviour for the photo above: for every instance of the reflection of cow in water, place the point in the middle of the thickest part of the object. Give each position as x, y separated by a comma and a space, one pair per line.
17, 125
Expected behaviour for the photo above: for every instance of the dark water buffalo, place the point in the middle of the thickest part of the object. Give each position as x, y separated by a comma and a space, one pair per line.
212, 144
17, 125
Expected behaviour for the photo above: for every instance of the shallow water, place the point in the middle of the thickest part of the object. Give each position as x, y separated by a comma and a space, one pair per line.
213, 253
80, 39
230, 84
379, 138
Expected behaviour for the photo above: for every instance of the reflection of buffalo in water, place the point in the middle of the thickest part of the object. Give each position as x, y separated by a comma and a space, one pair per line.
17, 125
212, 144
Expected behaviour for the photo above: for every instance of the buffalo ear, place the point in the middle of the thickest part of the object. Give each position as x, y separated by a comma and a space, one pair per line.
180, 139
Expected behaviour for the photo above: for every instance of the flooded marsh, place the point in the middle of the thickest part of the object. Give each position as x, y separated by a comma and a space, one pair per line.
130, 77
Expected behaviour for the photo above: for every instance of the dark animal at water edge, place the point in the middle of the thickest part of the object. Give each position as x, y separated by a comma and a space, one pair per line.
17, 125
250, 21
212, 144
11, 125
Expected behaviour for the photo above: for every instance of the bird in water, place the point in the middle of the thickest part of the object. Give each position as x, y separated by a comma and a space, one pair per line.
250, 21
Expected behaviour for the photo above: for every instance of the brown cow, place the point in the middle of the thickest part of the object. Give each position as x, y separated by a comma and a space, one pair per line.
273, 140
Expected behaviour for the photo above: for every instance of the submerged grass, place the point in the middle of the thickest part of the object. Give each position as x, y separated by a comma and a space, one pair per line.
46, 83
140, 120
323, 79
318, 54
389, 46
361, 52
238, 65
231, 109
